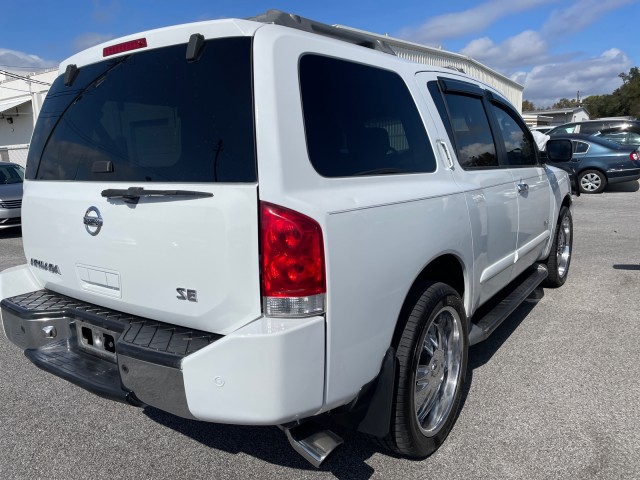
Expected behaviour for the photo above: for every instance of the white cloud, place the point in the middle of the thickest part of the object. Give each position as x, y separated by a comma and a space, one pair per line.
526, 48
91, 39
16, 61
580, 15
474, 20
545, 84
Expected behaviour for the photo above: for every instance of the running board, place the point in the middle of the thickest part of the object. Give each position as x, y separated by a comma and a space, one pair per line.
508, 300
312, 441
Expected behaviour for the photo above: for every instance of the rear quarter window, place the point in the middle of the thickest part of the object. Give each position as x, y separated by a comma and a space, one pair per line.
361, 120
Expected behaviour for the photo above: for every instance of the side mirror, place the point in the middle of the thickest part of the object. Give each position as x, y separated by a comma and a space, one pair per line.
559, 150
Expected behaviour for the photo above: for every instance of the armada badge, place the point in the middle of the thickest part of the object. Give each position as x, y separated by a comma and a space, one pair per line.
93, 221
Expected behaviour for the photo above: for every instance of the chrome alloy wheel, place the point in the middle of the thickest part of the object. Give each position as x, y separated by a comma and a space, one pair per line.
563, 253
438, 372
591, 182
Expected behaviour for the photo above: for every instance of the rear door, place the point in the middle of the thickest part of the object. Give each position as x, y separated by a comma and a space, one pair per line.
489, 187
142, 187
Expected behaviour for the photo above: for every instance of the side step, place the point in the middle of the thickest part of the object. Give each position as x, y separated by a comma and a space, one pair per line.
312, 441
507, 301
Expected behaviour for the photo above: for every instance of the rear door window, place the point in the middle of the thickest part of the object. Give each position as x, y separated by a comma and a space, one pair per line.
471, 131
361, 120
152, 117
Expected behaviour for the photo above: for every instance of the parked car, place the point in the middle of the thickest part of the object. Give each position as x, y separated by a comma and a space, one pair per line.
589, 127
541, 129
597, 161
294, 222
627, 134
11, 178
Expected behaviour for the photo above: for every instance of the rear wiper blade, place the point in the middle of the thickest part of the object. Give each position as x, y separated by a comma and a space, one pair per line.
133, 194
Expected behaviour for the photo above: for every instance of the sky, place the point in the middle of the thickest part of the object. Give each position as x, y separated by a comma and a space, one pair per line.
554, 48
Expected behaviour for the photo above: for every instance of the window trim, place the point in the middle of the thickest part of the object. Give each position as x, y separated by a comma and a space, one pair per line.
488, 99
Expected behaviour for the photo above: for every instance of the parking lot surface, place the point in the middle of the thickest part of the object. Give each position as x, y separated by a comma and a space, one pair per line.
554, 393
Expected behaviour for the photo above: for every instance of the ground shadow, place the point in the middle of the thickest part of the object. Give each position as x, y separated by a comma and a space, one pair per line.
626, 266
632, 186
349, 460
11, 232
271, 445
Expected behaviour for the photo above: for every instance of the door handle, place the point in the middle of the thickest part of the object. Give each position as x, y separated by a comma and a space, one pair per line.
523, 188
447, 155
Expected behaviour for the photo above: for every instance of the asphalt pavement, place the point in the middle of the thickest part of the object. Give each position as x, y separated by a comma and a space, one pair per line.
554, 393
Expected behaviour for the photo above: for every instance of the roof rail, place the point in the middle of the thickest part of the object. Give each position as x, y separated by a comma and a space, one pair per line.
278, 17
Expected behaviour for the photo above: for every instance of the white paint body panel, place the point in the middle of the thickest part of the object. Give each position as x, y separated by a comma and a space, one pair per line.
267, 373
144, 252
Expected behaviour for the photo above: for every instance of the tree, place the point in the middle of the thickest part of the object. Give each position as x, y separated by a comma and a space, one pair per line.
624, 101
528, 106
565, 103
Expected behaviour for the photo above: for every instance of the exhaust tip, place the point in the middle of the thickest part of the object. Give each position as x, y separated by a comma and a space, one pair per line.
312, 441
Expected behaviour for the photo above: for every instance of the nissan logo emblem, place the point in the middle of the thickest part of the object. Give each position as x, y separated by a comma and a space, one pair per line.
92, 221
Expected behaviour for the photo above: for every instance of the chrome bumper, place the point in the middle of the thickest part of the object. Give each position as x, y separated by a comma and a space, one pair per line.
146, 366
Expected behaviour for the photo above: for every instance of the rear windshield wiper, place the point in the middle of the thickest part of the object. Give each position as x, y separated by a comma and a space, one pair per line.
133, 194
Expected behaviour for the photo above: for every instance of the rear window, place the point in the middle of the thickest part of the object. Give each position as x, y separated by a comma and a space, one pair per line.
152, 117
361, 120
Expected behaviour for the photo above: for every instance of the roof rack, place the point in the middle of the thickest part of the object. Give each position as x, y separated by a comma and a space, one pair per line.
278, 17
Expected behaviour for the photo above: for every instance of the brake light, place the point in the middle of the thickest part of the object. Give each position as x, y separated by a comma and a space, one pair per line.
124, 47
634, 155
293, 268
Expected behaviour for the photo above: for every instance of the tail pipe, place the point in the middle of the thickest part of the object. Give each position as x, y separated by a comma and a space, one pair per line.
312, 441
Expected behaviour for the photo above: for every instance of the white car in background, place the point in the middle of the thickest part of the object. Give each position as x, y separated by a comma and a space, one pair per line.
11, 180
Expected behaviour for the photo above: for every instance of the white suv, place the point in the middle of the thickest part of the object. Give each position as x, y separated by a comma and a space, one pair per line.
250, 222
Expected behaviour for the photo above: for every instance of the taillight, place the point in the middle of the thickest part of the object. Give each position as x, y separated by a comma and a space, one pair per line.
293, 269
634, 155
124, 47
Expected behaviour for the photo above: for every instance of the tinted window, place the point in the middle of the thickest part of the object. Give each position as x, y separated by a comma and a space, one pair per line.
589, 128
360, 120
580, 147
570, 128
474, 142
152, 116
518, 145
11, 174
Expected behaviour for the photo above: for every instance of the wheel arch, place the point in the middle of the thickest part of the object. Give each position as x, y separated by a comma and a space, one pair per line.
447, 268
596, 168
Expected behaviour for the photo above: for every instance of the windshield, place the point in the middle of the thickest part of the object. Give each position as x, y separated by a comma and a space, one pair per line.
11, 174
152, 117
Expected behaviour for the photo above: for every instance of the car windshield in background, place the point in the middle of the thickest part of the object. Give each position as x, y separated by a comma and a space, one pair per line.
152, 117
11, 174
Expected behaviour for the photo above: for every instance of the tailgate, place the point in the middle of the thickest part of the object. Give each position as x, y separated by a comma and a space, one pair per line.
191, 262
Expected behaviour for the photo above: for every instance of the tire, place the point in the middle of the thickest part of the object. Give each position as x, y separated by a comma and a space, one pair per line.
592, 181
432, 358
561, 249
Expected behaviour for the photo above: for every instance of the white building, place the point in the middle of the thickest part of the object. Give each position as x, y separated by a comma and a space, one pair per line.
21, 97
442, 58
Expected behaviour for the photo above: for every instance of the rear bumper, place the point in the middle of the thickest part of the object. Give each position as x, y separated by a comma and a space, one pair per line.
626, 175
266, 373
